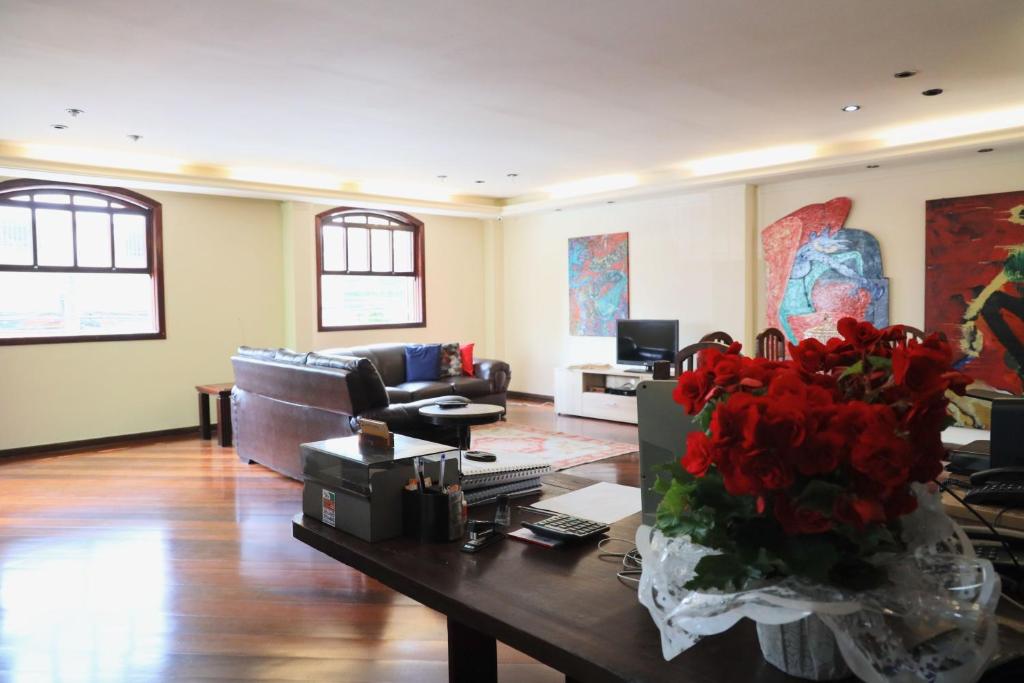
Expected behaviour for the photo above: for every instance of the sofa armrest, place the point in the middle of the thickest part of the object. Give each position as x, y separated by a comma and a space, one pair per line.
497, 372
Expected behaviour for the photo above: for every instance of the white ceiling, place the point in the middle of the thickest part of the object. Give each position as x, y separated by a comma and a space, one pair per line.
554, 90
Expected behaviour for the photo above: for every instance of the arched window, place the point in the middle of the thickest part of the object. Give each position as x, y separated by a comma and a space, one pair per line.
369, 270
78, 263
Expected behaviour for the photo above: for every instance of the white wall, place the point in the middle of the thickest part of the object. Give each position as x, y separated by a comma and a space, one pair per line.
222, 274
890, 204
455, 270
690, 257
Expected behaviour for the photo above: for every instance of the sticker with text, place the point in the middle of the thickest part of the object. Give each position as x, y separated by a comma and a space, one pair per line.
328, 507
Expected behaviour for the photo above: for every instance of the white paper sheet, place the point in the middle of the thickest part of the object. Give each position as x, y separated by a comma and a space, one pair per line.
601, 502
965, 435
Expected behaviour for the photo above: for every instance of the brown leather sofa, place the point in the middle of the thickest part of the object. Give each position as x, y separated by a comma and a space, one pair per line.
282, 398
488, 385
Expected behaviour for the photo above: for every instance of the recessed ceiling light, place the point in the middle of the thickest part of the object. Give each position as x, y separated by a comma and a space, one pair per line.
872, 166
58, 126
74, 112
442, 177
557, 210
511, 175
985, 150
134, 138
932, 92
851, 107
904, 74
611, 202
479, 182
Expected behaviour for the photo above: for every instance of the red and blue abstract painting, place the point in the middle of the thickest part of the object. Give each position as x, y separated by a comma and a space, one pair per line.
598, 283
819, 271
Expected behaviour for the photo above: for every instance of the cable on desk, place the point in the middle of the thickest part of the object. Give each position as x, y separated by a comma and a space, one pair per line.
632, 563
984, 521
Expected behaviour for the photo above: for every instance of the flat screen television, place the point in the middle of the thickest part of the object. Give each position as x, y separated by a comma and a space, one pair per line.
642, 342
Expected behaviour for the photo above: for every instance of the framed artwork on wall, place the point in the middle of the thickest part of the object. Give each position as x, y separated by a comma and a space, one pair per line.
974, 289
598, 283
819, 271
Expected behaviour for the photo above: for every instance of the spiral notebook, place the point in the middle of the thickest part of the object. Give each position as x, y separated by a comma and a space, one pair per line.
517, 488
507, 469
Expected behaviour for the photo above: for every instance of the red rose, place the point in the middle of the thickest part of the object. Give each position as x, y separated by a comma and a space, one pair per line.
823, 453
919, 372
735, 478
769, 471
692, 390
882, 456
727, 371
730, 419
799, 520
809, 354
781, 425
862, 335
697, 458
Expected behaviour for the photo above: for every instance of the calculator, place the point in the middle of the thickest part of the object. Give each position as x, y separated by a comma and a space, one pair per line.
566, 528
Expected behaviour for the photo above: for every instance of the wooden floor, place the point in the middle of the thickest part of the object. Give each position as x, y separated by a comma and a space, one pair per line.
173, 560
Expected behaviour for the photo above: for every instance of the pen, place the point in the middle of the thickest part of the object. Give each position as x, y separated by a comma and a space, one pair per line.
441, 476
419, 474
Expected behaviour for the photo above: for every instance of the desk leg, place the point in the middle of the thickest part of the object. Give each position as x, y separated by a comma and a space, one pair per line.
472, 656
224, 418
205, 431
464, 437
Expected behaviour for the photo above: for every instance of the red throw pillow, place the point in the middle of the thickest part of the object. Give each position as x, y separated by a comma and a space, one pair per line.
466, 351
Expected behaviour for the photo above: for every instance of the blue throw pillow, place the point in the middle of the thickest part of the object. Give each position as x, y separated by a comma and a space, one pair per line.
422, 362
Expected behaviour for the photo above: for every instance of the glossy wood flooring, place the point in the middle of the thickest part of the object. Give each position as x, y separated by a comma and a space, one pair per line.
174, 561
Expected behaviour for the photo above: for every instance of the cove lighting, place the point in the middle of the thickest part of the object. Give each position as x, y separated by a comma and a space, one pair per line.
279, 176
605, 183
758, 158
103, 158
952, 127
403, 190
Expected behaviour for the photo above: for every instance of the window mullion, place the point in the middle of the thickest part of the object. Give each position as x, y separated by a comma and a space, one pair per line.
74, 236
110, 224
35, 246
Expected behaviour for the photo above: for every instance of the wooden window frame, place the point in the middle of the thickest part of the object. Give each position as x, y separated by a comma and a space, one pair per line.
134, 204
406, 223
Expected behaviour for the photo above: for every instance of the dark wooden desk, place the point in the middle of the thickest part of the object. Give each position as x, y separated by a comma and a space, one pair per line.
563, 607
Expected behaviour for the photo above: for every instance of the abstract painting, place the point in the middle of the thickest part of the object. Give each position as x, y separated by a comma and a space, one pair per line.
974, 286
598, 283
819, 271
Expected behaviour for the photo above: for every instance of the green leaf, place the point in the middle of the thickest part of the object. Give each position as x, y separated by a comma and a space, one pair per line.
819, 495
810, 556
855, 369
880, 363
724, 572
703, 418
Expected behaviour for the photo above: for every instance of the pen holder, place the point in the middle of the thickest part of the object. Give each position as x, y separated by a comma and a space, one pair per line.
432, 516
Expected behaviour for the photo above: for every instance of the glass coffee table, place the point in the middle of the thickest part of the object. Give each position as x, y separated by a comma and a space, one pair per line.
462, 418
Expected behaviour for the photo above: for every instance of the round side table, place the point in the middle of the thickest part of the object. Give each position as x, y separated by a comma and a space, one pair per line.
462, 418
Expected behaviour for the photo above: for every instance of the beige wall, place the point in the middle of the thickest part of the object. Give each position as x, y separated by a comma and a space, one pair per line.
455, 268
690, 258
890, 204
222, 288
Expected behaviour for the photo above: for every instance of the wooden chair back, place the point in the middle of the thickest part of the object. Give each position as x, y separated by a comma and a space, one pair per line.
718, 336
687, 358
914, 333
771, 344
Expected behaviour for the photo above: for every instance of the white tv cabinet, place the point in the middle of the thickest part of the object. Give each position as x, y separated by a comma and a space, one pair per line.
579, 391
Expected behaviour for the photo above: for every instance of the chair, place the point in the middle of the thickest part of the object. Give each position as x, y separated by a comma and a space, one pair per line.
719, 336
914, 333
771, 344
689, 355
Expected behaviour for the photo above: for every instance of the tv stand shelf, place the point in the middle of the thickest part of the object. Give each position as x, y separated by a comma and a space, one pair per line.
581, 390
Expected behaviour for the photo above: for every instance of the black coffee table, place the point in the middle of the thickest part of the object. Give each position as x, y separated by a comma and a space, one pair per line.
462, 418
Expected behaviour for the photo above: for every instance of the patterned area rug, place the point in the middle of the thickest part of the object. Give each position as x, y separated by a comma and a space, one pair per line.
558, 449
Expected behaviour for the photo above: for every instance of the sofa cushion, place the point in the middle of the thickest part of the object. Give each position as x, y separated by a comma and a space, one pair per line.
422, 362
365, 384
259, 354
421, 390
451, 360
396, 395
389, 359
468, 386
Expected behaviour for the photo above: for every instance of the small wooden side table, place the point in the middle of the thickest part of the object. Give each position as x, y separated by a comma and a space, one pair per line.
223, 394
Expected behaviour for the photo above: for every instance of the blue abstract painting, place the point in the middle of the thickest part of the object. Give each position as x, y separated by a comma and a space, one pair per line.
598, 283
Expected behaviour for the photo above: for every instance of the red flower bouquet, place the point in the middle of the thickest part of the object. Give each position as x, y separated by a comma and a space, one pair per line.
804, 467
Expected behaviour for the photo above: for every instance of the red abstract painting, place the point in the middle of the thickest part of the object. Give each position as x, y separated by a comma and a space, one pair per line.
974, 284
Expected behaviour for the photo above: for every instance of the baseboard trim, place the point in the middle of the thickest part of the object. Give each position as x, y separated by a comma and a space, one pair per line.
118, 440
531, 397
